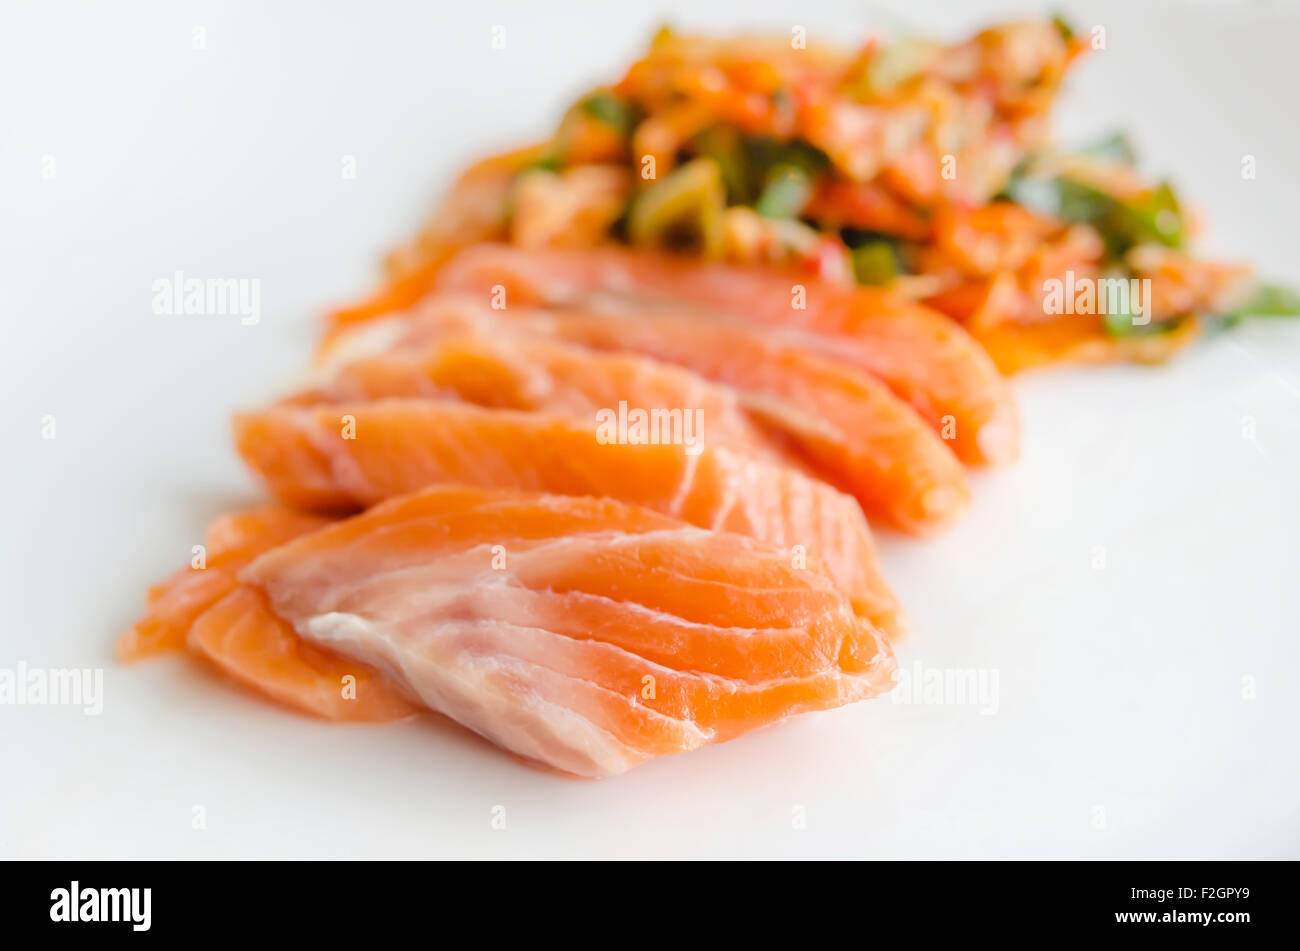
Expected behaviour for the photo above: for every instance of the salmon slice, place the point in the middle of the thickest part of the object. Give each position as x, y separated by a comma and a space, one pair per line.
927, 359
844, 424
232, 542
583, 633
352, 455
243, 638
209, 611
505, 370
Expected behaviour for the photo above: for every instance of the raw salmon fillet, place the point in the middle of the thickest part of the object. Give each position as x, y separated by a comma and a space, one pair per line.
926, 358
583, 633
209, 612
348, 456
243, 638
232, 542
494, 367
843, 424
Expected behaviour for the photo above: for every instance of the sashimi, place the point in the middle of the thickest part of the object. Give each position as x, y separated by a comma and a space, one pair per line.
505, 370
926, 358
204, 608
232, 542
846, 425
347, 456
583, 633
243, 638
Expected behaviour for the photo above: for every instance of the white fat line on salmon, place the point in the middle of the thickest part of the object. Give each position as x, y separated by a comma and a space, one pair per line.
948, 686
653, 427
53, 686
181, 296
103, 904
1102, 296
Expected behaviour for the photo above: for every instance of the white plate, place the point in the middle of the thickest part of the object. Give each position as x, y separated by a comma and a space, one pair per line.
1147, 707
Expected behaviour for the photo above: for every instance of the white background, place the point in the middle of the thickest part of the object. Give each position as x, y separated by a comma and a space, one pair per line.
1120, 689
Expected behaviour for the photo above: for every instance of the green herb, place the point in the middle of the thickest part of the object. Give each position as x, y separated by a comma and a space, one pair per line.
1269, 300
1156, 217
876, 262
877, 258
1159, 216
764, 154
785, 192
682, 210
1122, 325
1063, 27
775, 177
723, 144
783, 175
1078, 202
551, 161
612, 110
